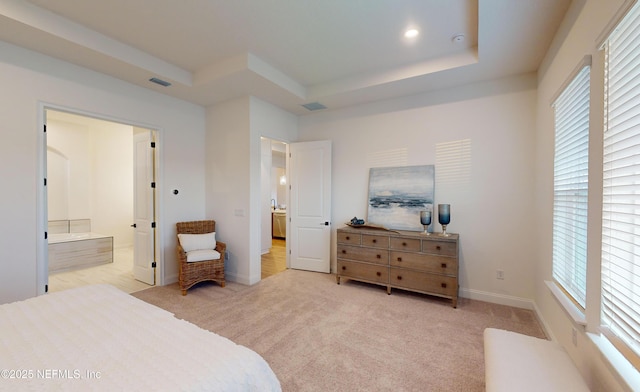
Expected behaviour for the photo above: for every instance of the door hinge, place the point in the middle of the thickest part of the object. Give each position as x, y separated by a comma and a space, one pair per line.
153, 185
153, 225
153, 144
45, 182
45, 128
45, 235
46, 288
153, 265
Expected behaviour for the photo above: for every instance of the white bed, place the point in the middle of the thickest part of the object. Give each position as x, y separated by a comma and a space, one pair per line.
100, 338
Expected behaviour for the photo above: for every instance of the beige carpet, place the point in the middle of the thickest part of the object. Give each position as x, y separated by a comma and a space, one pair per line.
320, 336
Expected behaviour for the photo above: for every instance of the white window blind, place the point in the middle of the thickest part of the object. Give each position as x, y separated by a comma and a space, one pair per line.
621, 188
570, 186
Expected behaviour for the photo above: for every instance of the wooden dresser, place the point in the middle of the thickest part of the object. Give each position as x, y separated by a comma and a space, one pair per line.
406, 260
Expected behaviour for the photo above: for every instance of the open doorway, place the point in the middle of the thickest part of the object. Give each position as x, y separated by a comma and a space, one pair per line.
274, 207
93, 203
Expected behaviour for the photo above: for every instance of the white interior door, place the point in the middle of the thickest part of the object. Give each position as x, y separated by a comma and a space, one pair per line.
143, 207
310, 206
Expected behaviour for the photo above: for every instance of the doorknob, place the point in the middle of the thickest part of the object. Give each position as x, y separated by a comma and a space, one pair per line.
324, 224
133, 225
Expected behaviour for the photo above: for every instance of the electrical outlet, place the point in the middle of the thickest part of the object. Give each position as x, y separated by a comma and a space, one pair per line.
500, 274
574, 336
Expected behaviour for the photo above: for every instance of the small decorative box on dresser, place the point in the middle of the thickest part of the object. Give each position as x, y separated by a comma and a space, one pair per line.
406, 260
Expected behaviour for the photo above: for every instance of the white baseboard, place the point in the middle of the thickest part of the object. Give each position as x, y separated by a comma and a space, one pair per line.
242, 279
170, 279
509, 300
544, 324
500, 299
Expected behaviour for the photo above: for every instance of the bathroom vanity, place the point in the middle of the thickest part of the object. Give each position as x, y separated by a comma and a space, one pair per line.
279, 223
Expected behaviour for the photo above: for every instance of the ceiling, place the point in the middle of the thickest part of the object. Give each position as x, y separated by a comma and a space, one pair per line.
289, 52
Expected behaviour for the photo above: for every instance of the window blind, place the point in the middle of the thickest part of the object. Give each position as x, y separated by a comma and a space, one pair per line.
570, 187
621, 188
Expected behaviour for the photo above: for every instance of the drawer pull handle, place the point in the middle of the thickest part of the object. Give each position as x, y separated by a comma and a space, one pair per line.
444, 265
344, 252
444, 285
378, 256
378, 273
404, 244
374, 241
437, 247
399, 277
348, 238
344, 268
399, 258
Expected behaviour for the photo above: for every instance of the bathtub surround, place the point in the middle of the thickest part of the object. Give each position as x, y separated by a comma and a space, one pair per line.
72, 245
72, 251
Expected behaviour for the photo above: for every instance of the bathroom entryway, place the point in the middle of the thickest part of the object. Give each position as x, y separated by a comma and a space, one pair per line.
276, 260
274, 208
91, 167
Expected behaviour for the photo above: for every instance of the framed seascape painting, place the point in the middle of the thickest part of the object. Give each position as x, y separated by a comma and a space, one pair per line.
398, 194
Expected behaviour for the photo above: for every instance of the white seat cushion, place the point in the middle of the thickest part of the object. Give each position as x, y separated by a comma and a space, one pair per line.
202, 255
191, 242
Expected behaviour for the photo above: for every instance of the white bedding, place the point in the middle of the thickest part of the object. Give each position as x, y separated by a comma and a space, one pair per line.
100, 338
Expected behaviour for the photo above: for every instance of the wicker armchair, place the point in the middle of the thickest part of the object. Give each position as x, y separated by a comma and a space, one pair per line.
195, 272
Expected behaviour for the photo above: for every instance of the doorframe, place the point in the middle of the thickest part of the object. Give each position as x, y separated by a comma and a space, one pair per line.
42, 254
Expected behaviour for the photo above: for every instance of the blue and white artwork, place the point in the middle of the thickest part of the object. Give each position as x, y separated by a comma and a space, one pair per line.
398, 194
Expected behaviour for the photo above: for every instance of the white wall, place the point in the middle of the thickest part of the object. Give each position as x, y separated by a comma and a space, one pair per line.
577, 37
227, 182
74, 142
491, 210
234, 176
30, 80
278, 191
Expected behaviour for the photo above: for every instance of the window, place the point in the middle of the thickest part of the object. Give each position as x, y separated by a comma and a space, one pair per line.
570, 186
621, 188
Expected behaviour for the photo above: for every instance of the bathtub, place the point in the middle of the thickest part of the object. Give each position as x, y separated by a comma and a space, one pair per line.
76, 250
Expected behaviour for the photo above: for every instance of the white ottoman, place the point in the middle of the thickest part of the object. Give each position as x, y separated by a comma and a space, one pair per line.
516, 362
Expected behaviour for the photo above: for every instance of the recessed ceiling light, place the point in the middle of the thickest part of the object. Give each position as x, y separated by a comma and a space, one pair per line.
411, 33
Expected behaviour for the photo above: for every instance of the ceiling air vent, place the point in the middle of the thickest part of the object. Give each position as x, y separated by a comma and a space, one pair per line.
314, 106
160, 82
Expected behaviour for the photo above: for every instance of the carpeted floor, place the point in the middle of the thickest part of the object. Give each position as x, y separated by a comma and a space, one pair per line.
320, 336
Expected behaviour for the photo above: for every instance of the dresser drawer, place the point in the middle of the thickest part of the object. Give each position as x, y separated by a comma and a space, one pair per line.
424, 262
375, 241
349, 238
423, 281
408, 244
362, 271
444, 248
370, 255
